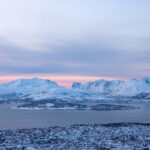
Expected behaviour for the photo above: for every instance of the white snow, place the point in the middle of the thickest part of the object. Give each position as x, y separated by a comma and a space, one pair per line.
38, 89
116, 87
27, 86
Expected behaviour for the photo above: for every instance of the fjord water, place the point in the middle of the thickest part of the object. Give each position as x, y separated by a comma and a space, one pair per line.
11, 118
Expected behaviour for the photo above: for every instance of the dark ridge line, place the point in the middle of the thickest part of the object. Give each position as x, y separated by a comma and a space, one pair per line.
125, 124
119, 124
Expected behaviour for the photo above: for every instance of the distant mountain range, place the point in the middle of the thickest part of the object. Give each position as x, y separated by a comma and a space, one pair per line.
116, 87
38, 89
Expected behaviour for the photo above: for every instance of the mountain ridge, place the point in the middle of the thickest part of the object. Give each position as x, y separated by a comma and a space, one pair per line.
116, 87
27, 86
37, 88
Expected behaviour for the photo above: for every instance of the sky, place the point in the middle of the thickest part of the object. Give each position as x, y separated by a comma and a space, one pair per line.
74, 40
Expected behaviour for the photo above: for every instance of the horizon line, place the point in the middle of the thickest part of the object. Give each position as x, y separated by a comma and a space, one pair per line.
62, 80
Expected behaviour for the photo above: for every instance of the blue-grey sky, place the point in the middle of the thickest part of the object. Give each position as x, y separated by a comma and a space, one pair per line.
109, 38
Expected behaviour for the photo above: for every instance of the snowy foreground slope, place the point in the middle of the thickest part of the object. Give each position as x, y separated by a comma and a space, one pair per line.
94, 137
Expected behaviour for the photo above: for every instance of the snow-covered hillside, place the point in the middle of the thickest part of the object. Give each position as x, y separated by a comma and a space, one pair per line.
38, 89
102, 86
116, 87
28, 86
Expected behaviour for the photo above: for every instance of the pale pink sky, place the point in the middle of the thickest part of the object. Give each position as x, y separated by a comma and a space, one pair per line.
64, 80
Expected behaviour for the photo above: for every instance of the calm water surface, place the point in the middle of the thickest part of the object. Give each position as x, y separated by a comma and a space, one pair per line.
19, 118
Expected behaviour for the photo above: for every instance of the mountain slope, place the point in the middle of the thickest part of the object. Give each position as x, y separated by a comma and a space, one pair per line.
38, 89
27, 86
116, 87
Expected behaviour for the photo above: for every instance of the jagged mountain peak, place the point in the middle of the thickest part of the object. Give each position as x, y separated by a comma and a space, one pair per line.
117, 87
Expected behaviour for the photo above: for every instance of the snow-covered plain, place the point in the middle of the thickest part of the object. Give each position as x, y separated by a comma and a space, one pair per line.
93, 137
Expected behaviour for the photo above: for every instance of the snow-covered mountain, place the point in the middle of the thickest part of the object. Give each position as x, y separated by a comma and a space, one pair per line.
133, 87
116, 87
39, 89
28, 86
101, 86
